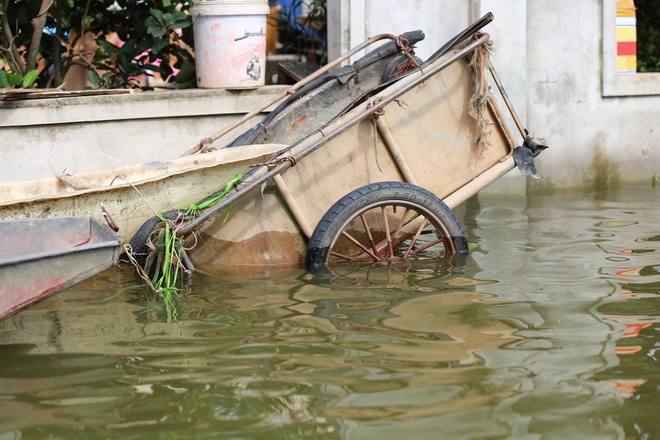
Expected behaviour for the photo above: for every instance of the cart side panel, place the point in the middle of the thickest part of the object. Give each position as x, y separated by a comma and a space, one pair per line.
260, 229
354, 159
257, 230
438, 138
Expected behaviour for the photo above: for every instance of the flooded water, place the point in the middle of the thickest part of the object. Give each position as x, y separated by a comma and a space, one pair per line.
547, 331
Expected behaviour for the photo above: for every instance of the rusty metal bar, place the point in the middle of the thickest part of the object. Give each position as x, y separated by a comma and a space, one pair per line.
291, 203
333, 130
389, 140
500, 122
507, 101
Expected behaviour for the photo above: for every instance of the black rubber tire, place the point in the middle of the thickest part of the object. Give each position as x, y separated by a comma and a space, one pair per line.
376, 195
140, 238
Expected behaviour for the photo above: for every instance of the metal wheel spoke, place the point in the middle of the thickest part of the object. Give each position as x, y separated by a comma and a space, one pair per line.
401, 222
442, 240
366, 228
387, 232
416, 237
360, 245
338, 255
394, 215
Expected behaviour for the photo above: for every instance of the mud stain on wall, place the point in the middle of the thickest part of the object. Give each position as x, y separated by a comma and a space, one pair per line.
603, 170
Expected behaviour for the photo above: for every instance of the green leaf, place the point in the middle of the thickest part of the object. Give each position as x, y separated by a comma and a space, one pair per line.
151, 22
182, 23
186, 73
186, 84
159, 45
154, 68
93, 78
107, 47
168, 19
30, 78
156, 31
154, 27
143, 46
4, 81
14, 79
158, 14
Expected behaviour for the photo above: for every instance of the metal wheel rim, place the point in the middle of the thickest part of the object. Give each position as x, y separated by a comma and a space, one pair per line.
433, 219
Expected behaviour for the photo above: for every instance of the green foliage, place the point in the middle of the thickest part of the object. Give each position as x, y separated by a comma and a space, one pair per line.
166, 284
196, 209
154, 40
29, 78
154, 36
163, 268
11, 80
186, 77
648, 35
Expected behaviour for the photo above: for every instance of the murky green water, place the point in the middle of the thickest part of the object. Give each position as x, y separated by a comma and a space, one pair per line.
548, 331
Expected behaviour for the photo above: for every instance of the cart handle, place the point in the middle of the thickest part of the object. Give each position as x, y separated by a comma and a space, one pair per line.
303, 82
507, 101
249, 186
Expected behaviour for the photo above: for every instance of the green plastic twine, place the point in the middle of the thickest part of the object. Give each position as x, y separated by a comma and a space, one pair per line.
194, 208
166, 284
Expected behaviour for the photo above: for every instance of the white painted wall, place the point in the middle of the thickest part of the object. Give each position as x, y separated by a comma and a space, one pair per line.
43, 137
362, 19
550, 58
594, 139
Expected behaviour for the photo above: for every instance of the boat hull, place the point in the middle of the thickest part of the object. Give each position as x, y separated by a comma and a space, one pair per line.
44, 256
131, 194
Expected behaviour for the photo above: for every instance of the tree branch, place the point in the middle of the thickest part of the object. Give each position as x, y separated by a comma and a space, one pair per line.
38, 24
16, 61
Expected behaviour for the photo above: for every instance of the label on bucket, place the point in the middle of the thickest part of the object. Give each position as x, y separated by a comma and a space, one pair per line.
230, 51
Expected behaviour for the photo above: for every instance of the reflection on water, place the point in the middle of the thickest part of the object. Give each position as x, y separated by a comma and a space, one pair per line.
548, 329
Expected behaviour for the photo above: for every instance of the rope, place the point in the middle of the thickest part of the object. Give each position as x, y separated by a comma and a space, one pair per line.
203, 146
410, 62
481, 93
276, 162
373, 101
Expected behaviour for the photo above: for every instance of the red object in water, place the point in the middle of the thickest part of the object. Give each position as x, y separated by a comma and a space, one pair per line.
41, 257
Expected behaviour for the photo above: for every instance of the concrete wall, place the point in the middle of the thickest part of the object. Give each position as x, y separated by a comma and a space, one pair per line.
351, 22
555, 59
594, 138
43, 137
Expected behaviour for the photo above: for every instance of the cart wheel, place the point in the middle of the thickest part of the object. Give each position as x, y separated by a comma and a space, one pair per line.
386, 221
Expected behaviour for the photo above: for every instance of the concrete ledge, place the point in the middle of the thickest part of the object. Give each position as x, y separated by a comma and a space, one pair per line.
141, 105
43, 137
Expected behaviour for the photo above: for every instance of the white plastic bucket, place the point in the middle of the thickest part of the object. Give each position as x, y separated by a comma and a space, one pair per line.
230, 43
